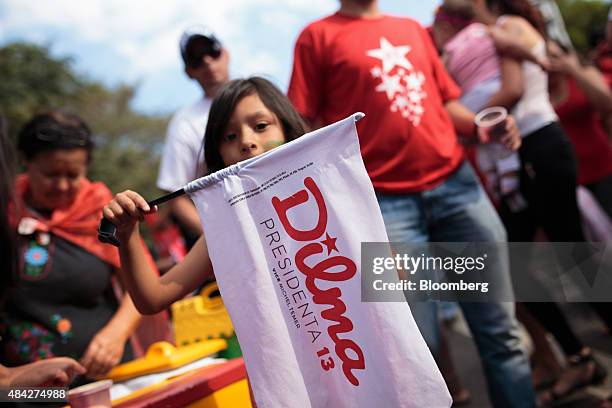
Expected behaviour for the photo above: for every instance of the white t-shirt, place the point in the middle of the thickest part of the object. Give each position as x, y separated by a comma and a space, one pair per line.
183, 156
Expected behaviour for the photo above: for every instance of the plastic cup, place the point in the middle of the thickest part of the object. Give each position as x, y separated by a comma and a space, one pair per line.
93, 395
491, 123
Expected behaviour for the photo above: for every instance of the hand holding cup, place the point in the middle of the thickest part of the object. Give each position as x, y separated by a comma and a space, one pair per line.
495, 125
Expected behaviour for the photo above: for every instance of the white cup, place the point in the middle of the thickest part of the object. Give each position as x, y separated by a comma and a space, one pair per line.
491, 123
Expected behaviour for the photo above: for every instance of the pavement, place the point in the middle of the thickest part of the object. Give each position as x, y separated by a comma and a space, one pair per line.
584, 322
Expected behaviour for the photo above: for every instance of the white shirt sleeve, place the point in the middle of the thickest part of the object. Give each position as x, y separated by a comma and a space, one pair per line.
179, 160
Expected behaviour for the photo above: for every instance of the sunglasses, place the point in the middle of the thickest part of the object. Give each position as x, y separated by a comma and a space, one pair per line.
198, 48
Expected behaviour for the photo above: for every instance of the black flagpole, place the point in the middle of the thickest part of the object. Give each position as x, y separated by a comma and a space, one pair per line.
107, 230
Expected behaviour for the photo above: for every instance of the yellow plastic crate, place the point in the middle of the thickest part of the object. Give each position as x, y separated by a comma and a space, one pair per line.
200, 318
217, 386
235, 395
163, 356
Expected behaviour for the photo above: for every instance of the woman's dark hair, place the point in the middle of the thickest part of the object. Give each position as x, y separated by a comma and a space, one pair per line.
55, 129
224, 104
8, 237
520, 8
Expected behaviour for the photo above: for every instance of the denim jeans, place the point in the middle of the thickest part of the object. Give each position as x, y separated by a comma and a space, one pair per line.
459, 211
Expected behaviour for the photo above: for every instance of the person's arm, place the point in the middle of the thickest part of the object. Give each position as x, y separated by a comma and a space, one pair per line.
186, 214
106, 347
589, 79
462, 118
509, 43
54, 372
591, 82
149, 292
511, 89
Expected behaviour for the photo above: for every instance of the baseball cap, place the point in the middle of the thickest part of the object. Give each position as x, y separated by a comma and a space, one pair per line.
196, 42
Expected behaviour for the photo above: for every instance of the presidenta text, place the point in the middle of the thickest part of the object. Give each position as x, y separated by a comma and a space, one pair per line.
304, 277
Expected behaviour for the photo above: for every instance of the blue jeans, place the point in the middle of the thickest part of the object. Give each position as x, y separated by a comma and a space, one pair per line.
459, 211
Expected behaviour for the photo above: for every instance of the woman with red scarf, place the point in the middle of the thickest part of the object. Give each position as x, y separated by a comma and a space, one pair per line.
63, 303
57, 372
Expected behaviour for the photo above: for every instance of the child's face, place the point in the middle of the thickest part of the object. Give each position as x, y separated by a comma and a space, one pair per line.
252, 130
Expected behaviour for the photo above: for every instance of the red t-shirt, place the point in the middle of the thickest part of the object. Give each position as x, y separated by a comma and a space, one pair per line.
388, 68
582, 123
603, 60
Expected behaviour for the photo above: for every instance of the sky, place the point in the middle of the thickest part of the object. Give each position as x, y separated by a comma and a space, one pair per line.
136, 41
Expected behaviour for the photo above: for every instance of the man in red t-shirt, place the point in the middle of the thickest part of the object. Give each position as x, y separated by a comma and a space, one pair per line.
360, 60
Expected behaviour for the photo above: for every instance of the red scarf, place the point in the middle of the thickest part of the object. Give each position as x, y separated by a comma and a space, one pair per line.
77, 223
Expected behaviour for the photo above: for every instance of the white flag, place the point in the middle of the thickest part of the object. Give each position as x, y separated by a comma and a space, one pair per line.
284, 231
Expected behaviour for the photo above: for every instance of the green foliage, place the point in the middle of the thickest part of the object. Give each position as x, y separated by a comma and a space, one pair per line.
583, 19
31, 80
127, 142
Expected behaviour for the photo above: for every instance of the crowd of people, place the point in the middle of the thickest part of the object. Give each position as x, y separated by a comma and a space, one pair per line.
420, 89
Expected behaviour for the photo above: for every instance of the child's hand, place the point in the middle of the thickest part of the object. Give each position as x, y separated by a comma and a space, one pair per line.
126, 209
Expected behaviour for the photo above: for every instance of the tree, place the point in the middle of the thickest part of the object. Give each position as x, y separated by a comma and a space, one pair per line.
584, 20
127, 142
31, 80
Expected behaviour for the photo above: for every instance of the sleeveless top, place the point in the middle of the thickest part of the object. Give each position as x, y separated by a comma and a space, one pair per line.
534, 110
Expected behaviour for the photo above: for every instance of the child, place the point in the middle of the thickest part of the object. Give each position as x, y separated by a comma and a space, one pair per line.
246, 119
486, 80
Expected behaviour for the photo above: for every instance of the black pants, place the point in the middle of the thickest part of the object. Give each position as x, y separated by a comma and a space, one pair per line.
548, 183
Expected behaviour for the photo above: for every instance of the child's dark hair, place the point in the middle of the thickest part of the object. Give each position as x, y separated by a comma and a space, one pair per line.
458, 13
224, 104
55, 129
521, 8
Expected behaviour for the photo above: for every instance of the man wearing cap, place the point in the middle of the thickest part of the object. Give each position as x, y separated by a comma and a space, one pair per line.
206, 62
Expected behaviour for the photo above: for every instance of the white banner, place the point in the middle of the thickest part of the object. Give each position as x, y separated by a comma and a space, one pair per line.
284, 231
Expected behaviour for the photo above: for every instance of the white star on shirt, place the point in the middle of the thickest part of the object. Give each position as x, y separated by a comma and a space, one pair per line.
414, 80
390, 55
390, 84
